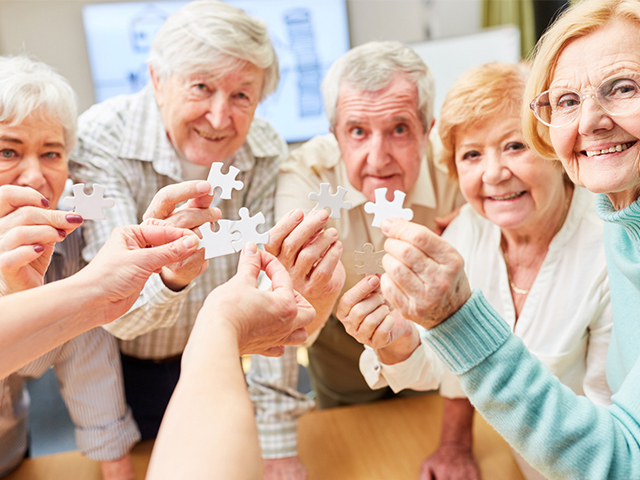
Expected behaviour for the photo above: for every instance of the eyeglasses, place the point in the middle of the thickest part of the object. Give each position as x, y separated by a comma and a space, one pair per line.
617, 95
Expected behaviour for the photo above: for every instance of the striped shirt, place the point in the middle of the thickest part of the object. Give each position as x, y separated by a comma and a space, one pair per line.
90, 376
122, 145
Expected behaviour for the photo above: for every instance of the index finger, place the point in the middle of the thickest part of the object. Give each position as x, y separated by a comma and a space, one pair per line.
13, 197
356, 294
419, 236
165, 201
280, 278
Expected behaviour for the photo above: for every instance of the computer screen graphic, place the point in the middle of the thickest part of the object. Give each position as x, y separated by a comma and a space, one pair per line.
308, 36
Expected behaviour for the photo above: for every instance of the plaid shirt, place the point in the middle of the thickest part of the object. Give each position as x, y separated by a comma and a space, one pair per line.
88, 368
122, 145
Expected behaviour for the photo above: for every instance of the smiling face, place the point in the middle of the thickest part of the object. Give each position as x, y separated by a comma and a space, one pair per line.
32, 154
503, 180
381, 137
207, 117
582, 65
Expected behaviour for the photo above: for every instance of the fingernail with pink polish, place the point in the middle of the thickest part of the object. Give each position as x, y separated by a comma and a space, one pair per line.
61, 232
45, 202
38, 248
71, 218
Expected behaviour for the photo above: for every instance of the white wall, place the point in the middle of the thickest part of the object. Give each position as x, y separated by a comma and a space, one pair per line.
52, 29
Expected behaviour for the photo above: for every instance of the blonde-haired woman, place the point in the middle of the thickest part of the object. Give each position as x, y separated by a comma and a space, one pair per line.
524, 235
585, 88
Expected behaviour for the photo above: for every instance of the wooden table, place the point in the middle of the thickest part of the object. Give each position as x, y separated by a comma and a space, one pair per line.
384, 440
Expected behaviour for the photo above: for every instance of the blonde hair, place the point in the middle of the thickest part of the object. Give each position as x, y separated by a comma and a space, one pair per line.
482, 93
577, 21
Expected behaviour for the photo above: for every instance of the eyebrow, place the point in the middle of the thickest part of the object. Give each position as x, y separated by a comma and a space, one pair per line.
17, 141
501, 139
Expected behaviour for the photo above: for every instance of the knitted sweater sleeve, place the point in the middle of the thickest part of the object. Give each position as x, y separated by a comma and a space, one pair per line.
561, 434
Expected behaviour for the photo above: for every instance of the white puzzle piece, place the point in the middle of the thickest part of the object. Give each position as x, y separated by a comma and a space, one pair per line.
89, 207
247, 226
326, 200
371, 262
225, 181
217, 244
232, 235
383, 209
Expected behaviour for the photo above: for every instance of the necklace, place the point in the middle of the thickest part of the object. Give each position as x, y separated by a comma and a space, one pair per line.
523, 291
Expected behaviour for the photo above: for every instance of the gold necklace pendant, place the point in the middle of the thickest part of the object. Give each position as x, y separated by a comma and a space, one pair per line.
515, 289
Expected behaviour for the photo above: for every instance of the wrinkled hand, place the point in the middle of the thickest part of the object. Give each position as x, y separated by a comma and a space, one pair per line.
424, 279
367, 317
128, 258
288, 468
28, 234
120, 469
310, 254
195, 212
450, 462
264, 321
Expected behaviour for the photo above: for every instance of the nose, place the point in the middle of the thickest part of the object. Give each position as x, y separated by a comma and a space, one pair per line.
31, 174
219, 115
496, 169
593, 117
378, 156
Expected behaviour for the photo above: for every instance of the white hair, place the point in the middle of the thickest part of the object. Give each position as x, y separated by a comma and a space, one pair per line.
28, 86
371, 67
209, 32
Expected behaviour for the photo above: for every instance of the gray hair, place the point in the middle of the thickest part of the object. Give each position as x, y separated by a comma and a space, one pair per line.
28, 86
209, 32
371, 67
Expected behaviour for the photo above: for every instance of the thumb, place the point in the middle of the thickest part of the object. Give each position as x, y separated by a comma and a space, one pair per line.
249, 264
155, 257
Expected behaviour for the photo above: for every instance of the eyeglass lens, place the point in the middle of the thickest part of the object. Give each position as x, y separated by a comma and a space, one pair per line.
558, 107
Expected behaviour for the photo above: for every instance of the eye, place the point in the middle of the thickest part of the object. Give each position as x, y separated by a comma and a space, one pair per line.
400, 129
356, 132
621, 88
200, 90
52, 156
567, 101
516, 146
7, 153
471, 155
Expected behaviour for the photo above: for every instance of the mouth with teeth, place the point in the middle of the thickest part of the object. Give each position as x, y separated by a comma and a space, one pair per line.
209, 137
621, 147
509, 196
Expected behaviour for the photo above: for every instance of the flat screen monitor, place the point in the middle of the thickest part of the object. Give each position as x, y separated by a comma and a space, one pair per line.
308, 36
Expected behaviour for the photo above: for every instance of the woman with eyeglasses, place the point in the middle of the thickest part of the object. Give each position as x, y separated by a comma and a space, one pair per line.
524, 235
586, 100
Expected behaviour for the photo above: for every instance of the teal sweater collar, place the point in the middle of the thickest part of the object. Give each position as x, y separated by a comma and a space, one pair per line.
628, 218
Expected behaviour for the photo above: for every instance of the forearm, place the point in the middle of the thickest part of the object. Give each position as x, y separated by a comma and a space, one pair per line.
209, 430
561, 434
457, 422
36, 321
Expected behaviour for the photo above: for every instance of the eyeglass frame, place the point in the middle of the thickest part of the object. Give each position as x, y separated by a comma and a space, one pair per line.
583, 97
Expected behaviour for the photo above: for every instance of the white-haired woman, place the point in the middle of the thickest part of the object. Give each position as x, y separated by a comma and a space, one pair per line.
37, 131
585, 93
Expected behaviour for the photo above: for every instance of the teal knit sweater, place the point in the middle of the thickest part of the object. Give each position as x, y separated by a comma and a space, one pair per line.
560, 433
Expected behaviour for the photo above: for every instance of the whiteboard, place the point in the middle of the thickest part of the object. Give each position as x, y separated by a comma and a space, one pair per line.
451, 57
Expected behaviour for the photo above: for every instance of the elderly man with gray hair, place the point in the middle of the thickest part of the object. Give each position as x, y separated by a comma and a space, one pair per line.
379, 100
210, 65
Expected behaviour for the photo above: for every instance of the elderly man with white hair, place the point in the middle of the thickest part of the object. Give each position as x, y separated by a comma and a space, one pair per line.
210, 65
379, 101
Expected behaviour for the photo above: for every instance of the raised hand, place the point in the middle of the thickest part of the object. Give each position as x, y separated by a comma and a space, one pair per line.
196, 211
28, 234
424, 279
